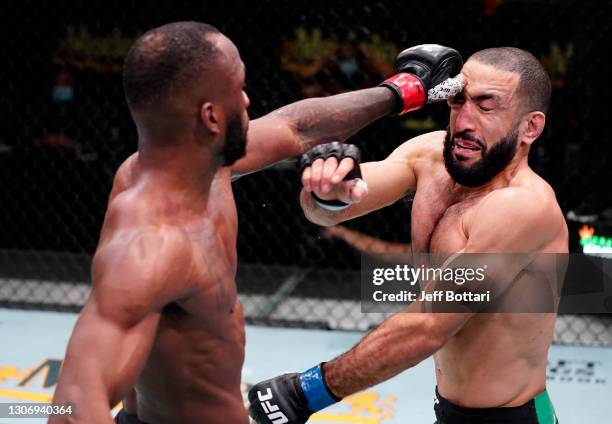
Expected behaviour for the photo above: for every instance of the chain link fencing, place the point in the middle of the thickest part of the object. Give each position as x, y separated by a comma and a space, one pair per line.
66, 128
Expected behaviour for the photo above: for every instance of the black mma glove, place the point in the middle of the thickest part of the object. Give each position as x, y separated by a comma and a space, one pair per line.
339, 151
290, 398
426, 74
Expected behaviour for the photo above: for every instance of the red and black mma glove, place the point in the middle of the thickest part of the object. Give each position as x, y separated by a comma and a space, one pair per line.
339, 151
421, 71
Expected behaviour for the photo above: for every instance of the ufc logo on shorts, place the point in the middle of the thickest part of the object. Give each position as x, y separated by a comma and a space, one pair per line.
272, 411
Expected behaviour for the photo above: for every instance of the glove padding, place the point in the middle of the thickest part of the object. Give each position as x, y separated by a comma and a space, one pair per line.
421, 69
337, 150
446, 89
279, 400
431, 63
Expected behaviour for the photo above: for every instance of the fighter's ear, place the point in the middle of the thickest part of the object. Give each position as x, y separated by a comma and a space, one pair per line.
534, 125
211, 116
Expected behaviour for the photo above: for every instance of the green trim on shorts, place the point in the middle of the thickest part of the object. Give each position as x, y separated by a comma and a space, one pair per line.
544, 409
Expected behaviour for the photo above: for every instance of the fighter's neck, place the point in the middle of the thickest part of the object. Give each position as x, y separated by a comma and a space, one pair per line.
501, 180
178, 170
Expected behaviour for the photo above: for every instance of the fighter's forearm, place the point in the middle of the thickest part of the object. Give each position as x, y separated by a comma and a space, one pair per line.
336, 118
87, 406
399, 343
317, 215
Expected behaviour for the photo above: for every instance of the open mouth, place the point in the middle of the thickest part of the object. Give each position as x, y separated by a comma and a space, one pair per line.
466, 144
465, 148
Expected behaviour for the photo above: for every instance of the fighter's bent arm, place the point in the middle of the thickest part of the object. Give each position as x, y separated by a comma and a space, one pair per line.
405, 339
295, 128
388, 181
114, 334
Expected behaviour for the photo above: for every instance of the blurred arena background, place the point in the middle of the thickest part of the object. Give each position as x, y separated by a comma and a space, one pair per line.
65, 129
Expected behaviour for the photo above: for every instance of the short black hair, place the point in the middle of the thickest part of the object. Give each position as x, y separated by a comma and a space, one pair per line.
167, 59
534, 83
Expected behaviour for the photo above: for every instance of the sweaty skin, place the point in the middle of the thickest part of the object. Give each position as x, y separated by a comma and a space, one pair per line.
482, 360
163, 328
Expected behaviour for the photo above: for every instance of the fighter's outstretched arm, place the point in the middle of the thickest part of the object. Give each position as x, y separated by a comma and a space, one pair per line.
425, 74
115, 331
295, 128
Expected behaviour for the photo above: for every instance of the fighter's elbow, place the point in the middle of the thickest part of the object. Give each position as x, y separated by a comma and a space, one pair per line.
423, 332
433, 335
323, 219
433, 344
83, 400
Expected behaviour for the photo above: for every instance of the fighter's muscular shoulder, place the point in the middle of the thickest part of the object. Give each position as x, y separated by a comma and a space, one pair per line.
152, 262
530, 207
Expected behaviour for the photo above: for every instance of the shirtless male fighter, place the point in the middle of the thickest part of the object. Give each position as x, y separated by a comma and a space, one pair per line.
163, 328
474, 192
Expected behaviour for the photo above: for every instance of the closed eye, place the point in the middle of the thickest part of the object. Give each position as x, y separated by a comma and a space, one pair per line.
458, 99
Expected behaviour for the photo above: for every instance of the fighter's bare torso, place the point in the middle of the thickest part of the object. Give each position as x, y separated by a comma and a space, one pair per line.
193, 372
495, 359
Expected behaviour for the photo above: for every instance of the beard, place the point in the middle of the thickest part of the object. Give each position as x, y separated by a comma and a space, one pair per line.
235, 140
494, 159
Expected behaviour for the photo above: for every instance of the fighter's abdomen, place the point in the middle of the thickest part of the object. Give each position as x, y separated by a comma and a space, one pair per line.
193, 372
495, 360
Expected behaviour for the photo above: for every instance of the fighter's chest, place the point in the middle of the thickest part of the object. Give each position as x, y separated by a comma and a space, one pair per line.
214, 256
438, 218
213, 276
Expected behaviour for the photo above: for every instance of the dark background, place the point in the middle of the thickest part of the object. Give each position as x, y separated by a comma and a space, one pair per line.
57, 158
